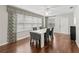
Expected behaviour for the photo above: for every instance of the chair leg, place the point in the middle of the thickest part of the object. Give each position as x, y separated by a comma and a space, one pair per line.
45, 41
52, 37
39, 43
30, 42
36, 43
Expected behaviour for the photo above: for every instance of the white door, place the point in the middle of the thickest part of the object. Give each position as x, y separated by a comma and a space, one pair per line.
57, 25
61, 24
64, 25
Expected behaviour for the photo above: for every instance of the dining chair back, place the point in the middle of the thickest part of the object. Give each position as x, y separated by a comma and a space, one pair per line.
51, 33
36, 37
41, 27
46, 35
34, 28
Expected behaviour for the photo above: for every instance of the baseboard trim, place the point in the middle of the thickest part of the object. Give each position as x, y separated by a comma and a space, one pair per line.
77, 43
62, 33
23, 37
4, 44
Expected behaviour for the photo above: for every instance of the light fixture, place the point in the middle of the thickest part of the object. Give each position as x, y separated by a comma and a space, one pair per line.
46, 11
71, 7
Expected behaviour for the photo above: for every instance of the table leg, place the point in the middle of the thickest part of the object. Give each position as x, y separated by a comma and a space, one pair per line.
42, 40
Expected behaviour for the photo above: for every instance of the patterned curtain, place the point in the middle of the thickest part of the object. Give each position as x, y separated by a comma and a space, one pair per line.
11, 27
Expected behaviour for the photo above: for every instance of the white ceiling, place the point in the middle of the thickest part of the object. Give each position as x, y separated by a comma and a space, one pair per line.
52, 9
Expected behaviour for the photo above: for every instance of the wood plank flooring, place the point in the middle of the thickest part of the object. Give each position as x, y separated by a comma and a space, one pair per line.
60, 44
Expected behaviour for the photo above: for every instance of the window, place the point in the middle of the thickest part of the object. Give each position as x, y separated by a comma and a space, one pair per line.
26, 23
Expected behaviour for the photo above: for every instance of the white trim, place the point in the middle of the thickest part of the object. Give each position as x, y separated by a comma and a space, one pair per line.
23, 37
77, 43
62, 33
4, 43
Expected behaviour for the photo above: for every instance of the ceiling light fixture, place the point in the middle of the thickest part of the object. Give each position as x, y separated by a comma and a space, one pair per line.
46, 11
71, 7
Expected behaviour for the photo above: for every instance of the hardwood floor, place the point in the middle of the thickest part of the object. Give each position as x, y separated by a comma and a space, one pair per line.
60, 44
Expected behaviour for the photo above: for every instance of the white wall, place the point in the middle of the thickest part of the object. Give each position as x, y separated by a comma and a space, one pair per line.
3, 25
63, 23
76, 15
